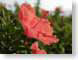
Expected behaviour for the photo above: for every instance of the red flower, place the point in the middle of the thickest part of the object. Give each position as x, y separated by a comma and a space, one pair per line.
36, 50
35, 27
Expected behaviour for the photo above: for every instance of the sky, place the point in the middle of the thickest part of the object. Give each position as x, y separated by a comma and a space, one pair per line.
45, 4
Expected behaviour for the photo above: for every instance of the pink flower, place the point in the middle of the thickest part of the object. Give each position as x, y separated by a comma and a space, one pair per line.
35, 27
35, 46
36, 50
39, 52
44, 13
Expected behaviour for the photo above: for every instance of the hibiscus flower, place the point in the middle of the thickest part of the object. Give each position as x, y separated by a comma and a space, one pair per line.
36, 50
35, 27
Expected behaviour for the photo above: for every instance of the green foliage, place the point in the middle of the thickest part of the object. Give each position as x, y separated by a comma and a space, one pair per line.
11, 32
